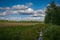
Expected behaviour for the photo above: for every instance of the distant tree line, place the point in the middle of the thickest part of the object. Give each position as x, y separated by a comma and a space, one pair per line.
52, 14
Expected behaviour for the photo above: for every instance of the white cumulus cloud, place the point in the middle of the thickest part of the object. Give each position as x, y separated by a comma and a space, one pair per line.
18, 9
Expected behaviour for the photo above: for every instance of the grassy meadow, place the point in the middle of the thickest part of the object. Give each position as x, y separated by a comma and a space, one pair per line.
21, 30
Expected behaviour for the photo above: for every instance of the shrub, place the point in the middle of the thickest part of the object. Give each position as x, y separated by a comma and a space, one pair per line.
52, 33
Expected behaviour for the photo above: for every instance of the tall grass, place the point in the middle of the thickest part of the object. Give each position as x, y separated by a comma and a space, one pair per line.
20, 32
30, 32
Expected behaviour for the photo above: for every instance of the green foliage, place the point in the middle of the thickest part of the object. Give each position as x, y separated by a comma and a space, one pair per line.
30, 32
53, 14
52, 33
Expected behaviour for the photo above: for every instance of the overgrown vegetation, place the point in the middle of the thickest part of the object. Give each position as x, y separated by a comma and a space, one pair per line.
53, 17
30, 32
52, 33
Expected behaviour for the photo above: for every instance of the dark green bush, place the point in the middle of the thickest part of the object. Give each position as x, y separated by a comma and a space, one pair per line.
52, 33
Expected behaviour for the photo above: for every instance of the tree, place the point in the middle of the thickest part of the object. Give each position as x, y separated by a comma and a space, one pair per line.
58, 15
52, 14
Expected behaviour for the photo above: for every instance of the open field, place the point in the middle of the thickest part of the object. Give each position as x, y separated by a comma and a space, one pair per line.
22, 30
16, 24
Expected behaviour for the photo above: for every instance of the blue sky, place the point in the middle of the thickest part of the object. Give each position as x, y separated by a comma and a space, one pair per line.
37, 4
32, 7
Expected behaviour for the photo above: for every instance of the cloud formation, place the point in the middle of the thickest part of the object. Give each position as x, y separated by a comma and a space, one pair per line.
19, 7
22, 9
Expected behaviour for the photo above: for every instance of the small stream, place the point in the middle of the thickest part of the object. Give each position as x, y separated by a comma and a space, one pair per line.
40, 36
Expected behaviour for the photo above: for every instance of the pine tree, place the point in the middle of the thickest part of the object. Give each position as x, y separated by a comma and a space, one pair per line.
49, 12
53, 14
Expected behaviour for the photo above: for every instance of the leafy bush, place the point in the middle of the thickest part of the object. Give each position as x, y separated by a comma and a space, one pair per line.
52, 33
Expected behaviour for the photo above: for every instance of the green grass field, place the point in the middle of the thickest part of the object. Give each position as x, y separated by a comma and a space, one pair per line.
21, 31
